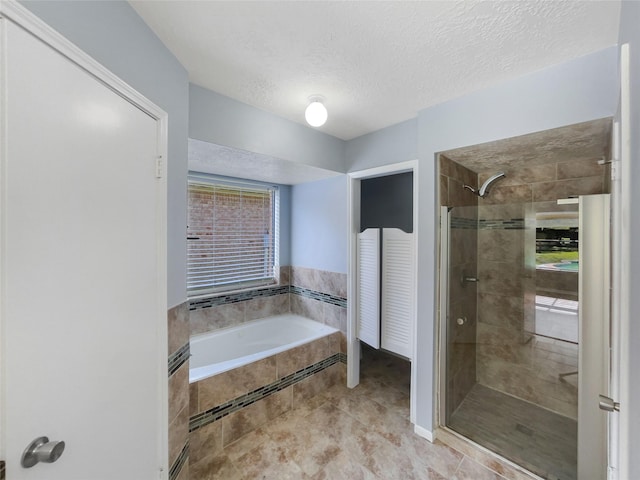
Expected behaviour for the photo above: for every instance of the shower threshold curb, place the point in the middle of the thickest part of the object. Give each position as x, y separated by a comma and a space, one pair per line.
453, 439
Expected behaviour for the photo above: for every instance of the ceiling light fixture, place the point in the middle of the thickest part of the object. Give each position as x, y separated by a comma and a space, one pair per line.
316, 112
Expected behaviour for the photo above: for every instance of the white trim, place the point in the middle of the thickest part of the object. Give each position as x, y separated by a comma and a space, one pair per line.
20, 16
408, 166
3, 228
353, 346
443, 307
424, 433
623, 241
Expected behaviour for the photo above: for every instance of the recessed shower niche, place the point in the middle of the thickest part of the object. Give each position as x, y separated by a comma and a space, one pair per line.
510, 348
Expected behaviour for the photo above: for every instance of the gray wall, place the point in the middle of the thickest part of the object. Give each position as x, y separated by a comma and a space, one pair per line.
394, 144
387, 202
319, 233
630, 33
114, 34
285, 225
221, 120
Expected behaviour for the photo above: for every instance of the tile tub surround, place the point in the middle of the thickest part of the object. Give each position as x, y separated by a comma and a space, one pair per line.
178, 377
230, 309
320, 295
316, 294
228, 406
348, 434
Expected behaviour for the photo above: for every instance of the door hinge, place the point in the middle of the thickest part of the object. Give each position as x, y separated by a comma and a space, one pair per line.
159, 167
607, 404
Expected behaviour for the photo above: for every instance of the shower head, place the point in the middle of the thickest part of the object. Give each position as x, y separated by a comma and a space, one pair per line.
483, 191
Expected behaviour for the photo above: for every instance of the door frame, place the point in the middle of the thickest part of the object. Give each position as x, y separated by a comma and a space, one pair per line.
11, 10
353, 346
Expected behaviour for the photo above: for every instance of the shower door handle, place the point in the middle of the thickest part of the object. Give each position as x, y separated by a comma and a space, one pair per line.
607, 404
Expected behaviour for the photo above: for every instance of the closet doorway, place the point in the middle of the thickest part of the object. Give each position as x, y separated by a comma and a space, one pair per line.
366, 210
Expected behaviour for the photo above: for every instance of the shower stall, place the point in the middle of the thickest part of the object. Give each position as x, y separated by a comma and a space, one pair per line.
513, 339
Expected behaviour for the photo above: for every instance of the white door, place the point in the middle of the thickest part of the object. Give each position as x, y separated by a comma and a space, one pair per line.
397, 298
368, 286
83, 302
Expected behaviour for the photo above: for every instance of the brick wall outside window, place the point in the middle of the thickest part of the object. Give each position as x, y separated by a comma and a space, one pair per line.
230, 234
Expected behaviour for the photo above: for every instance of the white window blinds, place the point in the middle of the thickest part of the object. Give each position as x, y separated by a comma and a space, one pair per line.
231, 235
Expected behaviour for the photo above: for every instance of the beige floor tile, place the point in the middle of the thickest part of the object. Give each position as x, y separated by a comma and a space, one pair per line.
268, 460
392, 463
344, 467
470, 470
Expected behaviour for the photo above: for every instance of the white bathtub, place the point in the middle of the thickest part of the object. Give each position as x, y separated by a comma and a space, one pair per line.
229, 348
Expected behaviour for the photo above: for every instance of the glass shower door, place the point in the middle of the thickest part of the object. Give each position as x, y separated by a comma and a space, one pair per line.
503, 384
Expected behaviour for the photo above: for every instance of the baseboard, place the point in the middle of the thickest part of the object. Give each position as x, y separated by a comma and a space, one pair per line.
424, 433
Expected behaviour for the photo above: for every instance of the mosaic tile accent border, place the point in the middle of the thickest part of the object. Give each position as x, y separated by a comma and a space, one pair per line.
505, 224
343, 357
464, 223
323, 297
216, 413
267, 292
176, 468
2, 472
238, 297
177, 359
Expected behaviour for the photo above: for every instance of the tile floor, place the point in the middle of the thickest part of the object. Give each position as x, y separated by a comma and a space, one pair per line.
542, 441
362, 433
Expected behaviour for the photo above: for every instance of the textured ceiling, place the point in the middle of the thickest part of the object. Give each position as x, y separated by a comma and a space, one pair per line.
376, 63
582, 141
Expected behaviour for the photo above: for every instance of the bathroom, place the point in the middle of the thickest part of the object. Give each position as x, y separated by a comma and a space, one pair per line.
576, 91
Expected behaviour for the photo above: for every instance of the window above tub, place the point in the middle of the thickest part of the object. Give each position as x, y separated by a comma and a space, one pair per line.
232, 234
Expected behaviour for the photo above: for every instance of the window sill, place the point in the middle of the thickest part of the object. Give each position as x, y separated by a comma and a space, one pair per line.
232, 291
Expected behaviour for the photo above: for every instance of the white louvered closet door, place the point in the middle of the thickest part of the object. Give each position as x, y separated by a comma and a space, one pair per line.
397, 302
368, 282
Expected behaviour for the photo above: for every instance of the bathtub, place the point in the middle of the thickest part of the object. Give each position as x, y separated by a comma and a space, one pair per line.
217, 352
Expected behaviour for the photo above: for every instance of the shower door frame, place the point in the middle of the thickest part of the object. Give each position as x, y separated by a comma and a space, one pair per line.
593, 440
443, 310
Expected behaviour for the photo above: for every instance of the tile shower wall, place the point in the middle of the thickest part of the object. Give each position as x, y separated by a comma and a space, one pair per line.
178, 372
508, 358
461, 339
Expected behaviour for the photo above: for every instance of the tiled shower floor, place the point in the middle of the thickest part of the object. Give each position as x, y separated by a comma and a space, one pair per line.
362, 433
542, 441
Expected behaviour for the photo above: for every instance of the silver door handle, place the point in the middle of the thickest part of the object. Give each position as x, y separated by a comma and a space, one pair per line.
607, 404
41, 450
